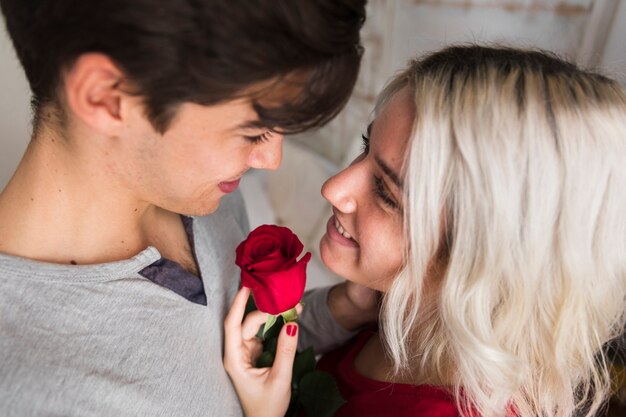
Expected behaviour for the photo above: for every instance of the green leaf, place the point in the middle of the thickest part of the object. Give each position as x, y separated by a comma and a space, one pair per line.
274, 331
289, 315
271, 319
259, 334
303, 364
319, 394
265, 360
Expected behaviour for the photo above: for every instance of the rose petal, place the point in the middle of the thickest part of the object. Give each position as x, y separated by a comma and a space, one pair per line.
261, 246
242, 255
268, 259
268, 265
280, 291
293, 246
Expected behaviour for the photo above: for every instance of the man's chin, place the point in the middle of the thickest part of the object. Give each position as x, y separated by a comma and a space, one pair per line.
200, 211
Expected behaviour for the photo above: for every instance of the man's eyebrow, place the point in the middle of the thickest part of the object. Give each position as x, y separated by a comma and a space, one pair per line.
389, 172
250, 124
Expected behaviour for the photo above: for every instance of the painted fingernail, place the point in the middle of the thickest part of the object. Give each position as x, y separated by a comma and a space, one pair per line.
292, 329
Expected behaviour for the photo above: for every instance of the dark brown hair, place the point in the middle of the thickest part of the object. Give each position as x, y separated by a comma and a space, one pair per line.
200, 51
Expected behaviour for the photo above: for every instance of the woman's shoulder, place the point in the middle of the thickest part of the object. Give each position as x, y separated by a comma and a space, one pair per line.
395, 400
369, 397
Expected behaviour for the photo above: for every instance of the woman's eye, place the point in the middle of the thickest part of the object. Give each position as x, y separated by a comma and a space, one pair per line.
381, 191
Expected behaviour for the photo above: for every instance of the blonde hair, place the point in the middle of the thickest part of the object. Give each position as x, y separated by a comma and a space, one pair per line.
517, 168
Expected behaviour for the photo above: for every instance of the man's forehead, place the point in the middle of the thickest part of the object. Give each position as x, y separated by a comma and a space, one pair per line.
269, 94
277, 91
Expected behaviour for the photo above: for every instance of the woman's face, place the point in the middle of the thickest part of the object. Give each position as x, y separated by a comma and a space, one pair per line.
364, 238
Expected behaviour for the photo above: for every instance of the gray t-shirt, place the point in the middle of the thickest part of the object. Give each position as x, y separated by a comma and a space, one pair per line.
102, 340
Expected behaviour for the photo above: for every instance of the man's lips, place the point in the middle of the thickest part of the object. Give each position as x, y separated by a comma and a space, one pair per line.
229, 186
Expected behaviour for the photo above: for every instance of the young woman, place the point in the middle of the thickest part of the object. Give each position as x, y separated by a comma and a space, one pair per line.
488, 209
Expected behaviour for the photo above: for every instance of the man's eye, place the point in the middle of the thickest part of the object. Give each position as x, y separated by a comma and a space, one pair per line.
264, 137
365, 144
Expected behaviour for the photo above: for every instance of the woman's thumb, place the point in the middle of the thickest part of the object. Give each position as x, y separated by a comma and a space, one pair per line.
285, 352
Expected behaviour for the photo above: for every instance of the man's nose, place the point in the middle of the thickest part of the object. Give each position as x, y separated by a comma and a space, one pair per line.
268, 155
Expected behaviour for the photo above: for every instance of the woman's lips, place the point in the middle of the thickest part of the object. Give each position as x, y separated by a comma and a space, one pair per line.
229, 186
335, 236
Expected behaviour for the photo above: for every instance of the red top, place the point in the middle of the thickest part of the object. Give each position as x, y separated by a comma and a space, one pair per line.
368, 398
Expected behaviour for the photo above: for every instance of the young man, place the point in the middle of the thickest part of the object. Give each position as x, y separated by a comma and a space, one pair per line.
146, 112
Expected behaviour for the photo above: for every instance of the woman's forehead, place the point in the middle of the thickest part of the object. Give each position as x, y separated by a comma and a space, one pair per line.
392, 128
397, 115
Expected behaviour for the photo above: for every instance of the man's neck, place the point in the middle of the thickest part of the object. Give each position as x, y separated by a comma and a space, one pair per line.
62, 206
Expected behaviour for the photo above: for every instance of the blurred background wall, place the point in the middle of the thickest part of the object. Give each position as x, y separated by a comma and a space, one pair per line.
590, 32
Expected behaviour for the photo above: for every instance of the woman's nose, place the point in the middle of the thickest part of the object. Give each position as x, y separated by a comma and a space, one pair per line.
268, 155
341, 190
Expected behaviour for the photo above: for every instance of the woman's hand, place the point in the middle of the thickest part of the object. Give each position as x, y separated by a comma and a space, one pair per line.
263, 392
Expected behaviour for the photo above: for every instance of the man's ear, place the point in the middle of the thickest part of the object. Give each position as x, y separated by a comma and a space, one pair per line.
93, 93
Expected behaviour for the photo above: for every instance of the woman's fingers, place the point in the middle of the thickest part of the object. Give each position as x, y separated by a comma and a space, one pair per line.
252, 323
285, 353
238, 308
232, 323
238, 337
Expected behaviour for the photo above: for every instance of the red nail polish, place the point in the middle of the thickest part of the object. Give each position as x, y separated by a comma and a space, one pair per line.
292, 329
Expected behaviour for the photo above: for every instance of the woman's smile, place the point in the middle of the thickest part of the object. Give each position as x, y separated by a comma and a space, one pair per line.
337, 233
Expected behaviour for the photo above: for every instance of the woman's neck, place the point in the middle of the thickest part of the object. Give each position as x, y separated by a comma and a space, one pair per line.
373, 363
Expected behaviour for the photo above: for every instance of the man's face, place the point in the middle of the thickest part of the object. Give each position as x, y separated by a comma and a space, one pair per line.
198, 160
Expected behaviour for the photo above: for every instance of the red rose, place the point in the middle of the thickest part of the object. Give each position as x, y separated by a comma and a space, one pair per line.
270, 268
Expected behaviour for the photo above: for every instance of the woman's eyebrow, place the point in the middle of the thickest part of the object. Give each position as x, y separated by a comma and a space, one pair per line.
389, 172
